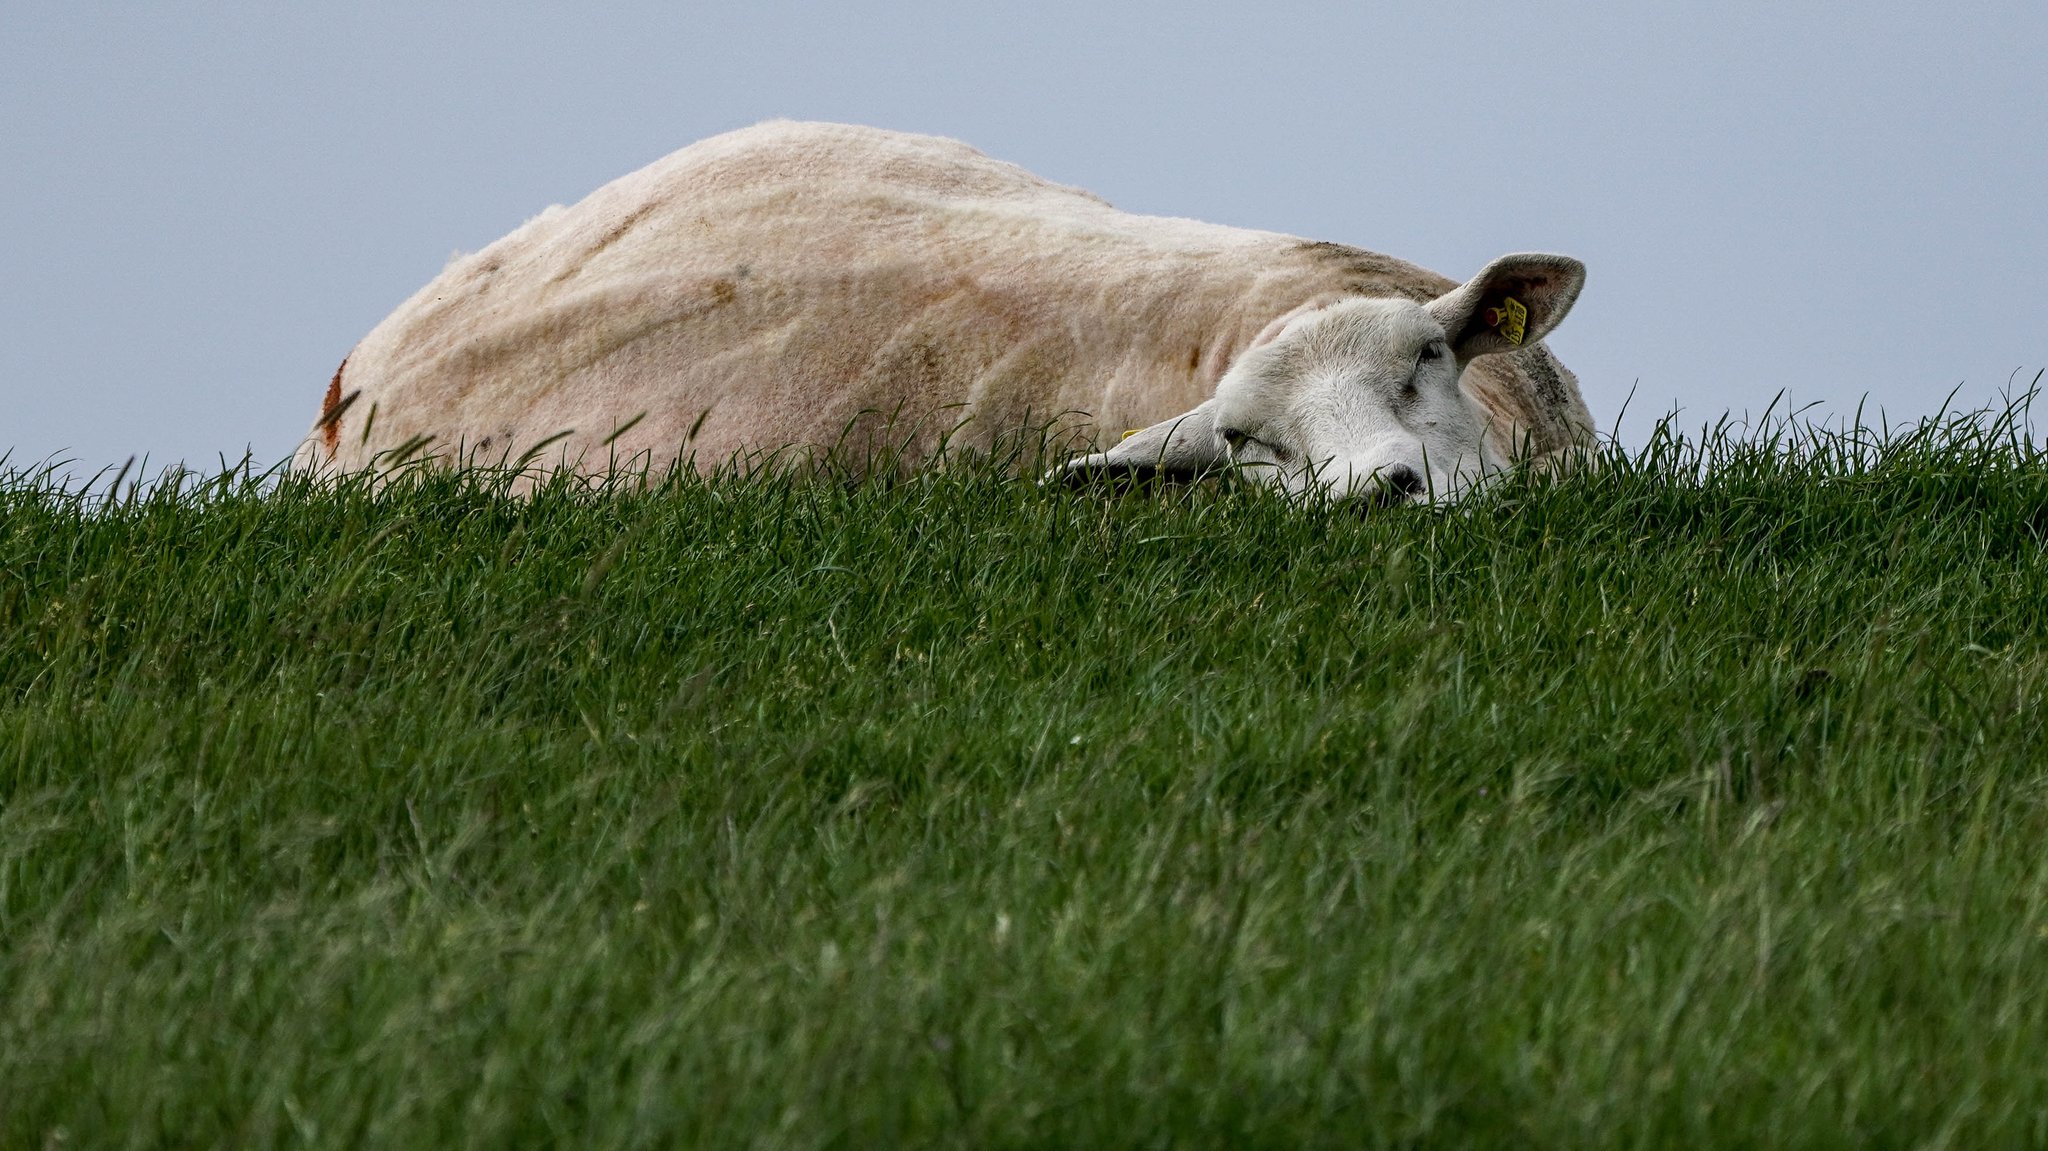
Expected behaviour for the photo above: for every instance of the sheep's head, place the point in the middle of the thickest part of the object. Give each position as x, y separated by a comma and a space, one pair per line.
1359, 398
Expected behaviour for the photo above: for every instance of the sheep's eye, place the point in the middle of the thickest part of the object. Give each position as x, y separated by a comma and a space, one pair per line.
1236, 439
1430, 352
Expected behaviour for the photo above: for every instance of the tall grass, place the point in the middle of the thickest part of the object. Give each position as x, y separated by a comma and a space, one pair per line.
1697, 800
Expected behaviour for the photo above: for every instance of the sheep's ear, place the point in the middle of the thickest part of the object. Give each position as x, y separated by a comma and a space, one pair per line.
1180, 448
1512, 303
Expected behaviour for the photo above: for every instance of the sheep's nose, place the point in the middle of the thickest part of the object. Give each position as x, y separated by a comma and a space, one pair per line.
1402, 478
1388, 487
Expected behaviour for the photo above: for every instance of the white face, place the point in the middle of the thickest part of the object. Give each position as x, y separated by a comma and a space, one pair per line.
1357, 400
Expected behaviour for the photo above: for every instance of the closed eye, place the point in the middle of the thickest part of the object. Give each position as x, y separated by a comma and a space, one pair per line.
1430, 353
1239, 440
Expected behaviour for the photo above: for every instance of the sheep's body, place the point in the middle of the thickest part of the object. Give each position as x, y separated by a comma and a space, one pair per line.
808, 285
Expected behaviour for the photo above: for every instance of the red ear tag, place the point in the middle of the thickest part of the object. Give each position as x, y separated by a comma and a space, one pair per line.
1511, 318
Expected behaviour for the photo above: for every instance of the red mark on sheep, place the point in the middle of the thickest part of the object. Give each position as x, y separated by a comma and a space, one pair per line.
330, 411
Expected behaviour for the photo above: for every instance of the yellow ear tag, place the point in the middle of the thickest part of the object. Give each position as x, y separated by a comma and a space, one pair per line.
1511, 318
1132, 432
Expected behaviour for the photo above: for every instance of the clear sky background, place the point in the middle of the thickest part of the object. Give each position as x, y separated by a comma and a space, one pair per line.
203, 207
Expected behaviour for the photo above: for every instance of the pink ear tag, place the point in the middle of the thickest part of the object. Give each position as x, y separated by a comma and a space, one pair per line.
1511, 318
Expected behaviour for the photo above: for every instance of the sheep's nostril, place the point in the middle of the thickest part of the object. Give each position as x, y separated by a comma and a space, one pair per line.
1388, 487
1402, 478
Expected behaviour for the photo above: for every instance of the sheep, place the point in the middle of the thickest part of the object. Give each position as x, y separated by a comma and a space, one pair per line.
792, 288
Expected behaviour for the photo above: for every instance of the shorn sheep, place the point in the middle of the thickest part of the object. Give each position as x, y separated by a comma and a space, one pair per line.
795, 288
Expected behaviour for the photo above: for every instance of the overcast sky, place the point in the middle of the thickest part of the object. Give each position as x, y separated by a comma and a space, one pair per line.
202, 207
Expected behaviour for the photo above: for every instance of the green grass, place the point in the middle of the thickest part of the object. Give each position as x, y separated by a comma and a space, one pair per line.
1699, 801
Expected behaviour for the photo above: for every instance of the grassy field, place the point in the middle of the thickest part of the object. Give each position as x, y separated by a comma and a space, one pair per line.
1698, 802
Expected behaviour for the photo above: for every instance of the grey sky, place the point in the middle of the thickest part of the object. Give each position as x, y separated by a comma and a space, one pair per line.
202, 207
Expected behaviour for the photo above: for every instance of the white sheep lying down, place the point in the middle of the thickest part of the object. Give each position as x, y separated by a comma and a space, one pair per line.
802, 287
